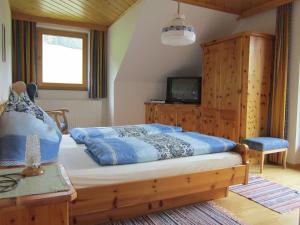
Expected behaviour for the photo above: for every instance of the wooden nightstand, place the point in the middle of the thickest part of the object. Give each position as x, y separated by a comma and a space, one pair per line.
42, 209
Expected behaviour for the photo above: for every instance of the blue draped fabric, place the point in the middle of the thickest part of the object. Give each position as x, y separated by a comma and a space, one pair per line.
128, 150
82, 134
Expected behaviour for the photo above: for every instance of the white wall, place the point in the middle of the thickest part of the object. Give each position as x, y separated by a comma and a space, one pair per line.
5, 67
264, 22
293, 88
147, 63
119, 37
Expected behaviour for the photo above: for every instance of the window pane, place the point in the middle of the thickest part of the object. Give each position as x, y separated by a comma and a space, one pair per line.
62, 59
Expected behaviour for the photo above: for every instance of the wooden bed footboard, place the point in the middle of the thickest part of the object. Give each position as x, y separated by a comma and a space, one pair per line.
98, 204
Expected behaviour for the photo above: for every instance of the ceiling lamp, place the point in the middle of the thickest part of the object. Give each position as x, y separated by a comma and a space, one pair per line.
178, 32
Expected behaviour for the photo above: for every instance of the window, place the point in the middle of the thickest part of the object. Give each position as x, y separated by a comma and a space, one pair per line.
62, 60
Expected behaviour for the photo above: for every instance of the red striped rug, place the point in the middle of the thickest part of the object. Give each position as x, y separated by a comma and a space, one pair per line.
206, 213
274, 196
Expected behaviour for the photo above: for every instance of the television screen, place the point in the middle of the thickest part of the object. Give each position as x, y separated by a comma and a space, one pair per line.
185, 89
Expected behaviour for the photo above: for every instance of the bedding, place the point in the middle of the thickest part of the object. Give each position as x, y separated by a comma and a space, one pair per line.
85, 172
20, 119
80, 135
119, 151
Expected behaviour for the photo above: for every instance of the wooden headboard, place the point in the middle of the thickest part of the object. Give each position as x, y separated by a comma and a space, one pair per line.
2, 107
18, 87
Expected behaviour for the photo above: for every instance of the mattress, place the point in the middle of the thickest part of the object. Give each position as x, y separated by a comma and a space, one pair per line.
85, 172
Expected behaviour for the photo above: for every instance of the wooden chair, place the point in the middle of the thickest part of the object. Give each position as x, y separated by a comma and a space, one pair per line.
267, 145
60, 117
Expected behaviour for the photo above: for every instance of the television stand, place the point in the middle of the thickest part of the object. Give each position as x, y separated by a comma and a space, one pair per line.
185, 115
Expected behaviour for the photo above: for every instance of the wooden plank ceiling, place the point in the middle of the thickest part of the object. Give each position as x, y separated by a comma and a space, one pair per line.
99, 14
89, 13
243, 8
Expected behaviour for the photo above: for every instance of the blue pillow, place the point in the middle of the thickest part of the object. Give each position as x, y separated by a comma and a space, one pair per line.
20, 119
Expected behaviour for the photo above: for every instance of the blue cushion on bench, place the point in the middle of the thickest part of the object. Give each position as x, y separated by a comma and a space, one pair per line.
266, 143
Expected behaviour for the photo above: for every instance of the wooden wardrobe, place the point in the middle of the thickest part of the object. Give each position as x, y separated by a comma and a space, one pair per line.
236, 80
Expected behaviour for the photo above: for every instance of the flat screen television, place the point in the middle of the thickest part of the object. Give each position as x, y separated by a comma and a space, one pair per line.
184, 89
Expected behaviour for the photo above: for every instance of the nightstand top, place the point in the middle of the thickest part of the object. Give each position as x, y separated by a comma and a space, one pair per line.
42, 199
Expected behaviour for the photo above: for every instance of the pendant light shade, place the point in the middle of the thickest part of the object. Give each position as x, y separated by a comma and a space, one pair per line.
178, 32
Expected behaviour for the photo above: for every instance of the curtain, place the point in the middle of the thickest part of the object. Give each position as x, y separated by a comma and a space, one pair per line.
24, 53
98, 67
280, 75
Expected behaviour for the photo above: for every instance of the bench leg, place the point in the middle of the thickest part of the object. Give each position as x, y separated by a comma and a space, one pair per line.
262, 161
284, 159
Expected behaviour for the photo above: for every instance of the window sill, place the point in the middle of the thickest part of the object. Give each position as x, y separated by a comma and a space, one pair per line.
63, 87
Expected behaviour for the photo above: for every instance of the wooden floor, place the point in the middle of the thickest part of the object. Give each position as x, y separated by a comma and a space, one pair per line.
255, 214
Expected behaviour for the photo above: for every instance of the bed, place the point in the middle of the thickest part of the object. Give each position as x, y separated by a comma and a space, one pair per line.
113, 192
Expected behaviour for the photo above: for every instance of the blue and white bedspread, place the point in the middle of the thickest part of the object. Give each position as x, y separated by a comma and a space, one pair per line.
80, 135
118, 151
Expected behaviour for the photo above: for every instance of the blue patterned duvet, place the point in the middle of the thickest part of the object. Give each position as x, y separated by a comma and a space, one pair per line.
80, 135
118, 151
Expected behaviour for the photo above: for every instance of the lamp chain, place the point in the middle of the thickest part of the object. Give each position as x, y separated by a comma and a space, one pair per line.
178, 7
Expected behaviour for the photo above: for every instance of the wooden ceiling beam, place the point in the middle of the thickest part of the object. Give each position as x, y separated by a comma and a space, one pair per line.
212, 5
39, 19
263, 7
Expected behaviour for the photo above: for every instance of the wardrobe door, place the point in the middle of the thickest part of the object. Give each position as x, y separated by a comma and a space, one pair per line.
259, 78
230, 89
210, 76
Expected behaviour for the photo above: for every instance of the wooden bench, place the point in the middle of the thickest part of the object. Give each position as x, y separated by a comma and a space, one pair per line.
267, 145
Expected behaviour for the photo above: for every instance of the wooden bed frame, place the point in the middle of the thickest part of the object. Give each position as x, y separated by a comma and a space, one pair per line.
104, 203
98, 204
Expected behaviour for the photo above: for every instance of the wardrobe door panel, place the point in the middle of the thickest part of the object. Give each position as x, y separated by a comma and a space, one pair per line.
259, 79
229, 92
210, 76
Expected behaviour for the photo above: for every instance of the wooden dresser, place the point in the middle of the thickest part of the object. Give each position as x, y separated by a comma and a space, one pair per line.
236, 79
186, 116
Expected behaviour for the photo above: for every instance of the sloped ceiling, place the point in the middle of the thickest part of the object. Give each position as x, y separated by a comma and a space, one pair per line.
97, 13
242, 8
